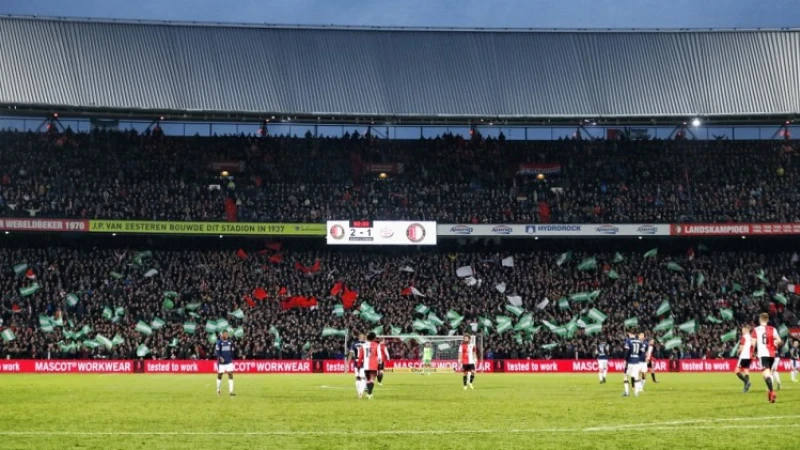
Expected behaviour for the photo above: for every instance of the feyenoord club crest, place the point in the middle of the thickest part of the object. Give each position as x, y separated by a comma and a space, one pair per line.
337, 232
415, 232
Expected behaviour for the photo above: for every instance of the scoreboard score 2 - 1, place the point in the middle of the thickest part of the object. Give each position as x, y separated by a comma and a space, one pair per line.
381, 232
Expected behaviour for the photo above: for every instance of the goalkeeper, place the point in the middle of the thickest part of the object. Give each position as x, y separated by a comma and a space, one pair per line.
427, 357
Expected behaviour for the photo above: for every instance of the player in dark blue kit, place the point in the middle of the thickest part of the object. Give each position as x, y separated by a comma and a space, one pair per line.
632, 348
602, 361
352, 355
223, 350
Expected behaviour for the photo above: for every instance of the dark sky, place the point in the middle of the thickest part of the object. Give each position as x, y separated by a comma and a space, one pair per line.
457, 13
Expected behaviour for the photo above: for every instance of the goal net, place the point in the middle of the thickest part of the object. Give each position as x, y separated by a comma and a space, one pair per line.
406, 353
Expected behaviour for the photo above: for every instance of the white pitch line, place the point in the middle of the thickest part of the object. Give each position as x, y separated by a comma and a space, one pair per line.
648, 425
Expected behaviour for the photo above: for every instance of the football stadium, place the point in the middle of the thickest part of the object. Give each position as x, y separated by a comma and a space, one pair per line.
245, 236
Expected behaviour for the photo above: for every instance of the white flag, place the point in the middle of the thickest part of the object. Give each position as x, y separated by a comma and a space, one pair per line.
515, 300
470, 281
416, 292
508, 262
407, 269
501, 288
543, 304
150, 273
463, 272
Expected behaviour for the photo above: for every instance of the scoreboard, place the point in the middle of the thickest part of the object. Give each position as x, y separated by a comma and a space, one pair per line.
381, 232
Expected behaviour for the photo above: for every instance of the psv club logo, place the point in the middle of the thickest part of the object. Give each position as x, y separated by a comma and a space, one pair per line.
337, 232
415, 233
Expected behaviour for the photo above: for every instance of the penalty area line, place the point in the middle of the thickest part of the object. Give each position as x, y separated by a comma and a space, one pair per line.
672, 424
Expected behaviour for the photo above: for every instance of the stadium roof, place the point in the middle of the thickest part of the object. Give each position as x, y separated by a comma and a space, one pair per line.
216, 71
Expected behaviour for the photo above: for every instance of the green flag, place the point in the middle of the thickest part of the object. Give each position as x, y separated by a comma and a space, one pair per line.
8, 335
238, 333
612, 274
144, 328
593, 329
689, 327
57, 322
729, 336
19, 269
594, 294
651, 253
116, 275
560, 331
631, 322
665, 324
663, 308
550, 346
108, 313
72, 299
306, 346
518, 338
734, 351
563, 303
190, 327
327, 331
672, 343
168, 304
194, 306
759, 293
378, 330
454, 318
30, 290
157, 324
117, 340
579, 297
588, 264
338, 310
726, 314
142, 351
618, 258
516, 310
274, 331
119, 311
700, 279
238, 314
151, 273
762, 277
675, 267
222, 324
422, 309
372, 316
423, 325
712, 319
174, 343
524, 323
737, 287
783, 330
596, 315
90, 344
104, 341
780, 298
170, 294
434, 319
564, 258
212, 338
396, 330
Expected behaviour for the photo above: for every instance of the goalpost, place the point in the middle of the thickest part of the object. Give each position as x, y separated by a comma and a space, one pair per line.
444, 349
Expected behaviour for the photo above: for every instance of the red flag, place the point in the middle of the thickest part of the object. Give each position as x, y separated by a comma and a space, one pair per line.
304, 269
640, 281
30, 274
337, 288
275, 246
317, 265
349, 298
15, 308
250, 302
276, 258
288, 303
260, 294
283, 291
407, 291
241, 254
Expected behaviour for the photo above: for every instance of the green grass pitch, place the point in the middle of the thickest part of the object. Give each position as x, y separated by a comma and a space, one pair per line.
684, 411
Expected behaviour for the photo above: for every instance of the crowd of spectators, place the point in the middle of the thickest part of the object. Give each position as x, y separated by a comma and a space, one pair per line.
115, 175
211, 284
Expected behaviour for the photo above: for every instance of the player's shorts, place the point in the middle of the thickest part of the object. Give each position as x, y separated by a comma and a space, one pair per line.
602, 364
225, 368
468, 367
369, 374
360, 373
767, 362
776, 364
642, 367
633, 370
743, 364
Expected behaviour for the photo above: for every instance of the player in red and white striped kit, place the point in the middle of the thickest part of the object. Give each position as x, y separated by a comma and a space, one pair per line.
384, 358
468, 355
767, 343
370, 357
745, 357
